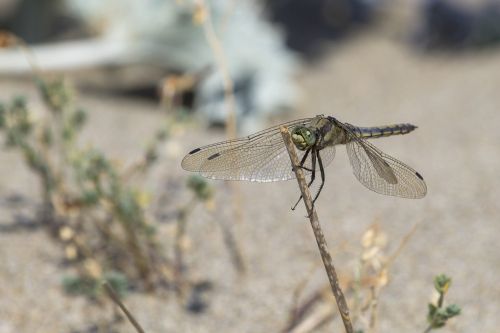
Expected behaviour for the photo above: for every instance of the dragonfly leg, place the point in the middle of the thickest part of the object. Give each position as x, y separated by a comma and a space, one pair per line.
313, 173
303, 160
322, 171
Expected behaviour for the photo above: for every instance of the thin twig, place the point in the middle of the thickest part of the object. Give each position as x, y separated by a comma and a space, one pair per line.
114, 297
299, 289
228, 85
401, 246
232, 246
179, 267
11, 39
373, 308
318, 318
221, 62
386, 266
318, 233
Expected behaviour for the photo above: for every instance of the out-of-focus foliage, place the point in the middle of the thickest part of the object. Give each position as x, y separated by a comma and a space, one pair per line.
364, 287
90, 205
91, 287
439, 314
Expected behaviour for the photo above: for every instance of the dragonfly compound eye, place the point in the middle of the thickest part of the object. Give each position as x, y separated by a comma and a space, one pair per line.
303, 138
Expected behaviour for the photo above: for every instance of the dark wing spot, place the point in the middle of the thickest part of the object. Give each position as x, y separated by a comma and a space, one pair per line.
213, 156
419, 176
194, 151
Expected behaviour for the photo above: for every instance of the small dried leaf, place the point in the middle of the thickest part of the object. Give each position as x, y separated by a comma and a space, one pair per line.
66, 233
186, 243
381, 240
383, 278
167, 272
199, 14
93, 268
368, 237
7, 39
70, 252
210, 205
370, 253
143, 198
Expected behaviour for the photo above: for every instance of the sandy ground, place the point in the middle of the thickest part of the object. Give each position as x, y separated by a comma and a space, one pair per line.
370, 80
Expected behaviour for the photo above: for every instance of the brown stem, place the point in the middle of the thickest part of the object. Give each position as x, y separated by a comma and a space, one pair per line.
233, 248
318, 233
114, 297
180, 234
228, 85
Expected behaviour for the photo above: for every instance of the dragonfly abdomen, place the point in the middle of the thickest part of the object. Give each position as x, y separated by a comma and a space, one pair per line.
382, 131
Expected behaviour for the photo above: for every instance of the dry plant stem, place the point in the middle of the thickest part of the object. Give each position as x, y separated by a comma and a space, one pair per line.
114, 297
318, 233
140, 259
233, 248
373, 309
373, 305
220, 59
180, 235
401, 246
28, 53
315, 312
228, 85
296, 310
316, 320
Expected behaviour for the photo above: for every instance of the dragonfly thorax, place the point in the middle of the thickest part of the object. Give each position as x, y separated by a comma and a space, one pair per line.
303, 137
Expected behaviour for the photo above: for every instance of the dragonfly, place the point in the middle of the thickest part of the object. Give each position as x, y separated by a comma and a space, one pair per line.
262, 157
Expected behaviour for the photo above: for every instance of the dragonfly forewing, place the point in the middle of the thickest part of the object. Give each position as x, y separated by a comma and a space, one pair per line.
260, 157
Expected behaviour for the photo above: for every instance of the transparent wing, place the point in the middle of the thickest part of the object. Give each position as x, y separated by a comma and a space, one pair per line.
260, 157
380, 172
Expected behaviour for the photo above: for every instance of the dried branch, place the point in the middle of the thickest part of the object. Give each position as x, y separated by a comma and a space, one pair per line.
318, 233
233, 247
314, 321
401, 246
114, 297
221, 62
205, 18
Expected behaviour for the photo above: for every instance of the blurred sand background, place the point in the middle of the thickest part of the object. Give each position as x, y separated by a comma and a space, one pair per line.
372, 79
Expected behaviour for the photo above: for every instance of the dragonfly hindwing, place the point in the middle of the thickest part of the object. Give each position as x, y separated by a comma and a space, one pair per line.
382, 167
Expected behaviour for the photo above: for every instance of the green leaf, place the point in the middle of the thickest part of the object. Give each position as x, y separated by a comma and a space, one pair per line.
432, 309
19, 102
90, 197
118, 282
76, 285
200, 187
453, 310
78, 118
442, 283
2, 115
55, 93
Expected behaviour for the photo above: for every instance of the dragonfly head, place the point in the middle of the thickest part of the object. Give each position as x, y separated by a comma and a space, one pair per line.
303, 137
